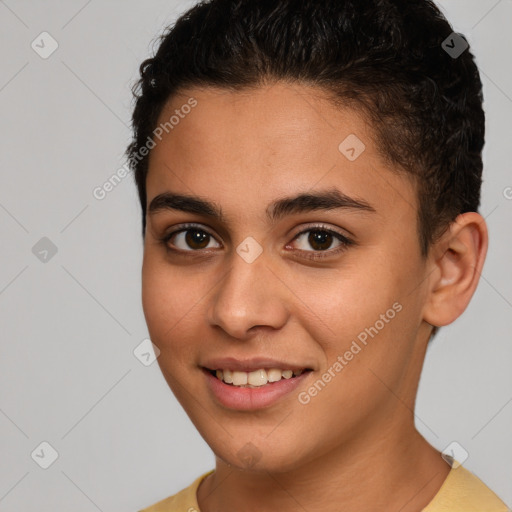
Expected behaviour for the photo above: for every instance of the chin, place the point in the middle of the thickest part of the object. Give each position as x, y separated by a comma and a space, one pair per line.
258, 457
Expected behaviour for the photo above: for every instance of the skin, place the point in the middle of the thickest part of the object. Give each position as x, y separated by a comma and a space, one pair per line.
354, 446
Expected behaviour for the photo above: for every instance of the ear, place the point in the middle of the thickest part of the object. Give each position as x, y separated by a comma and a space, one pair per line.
456, 262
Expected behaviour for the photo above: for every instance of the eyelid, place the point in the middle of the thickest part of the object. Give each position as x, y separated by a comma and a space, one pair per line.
344, 240
318, 256
321, 227
185, 227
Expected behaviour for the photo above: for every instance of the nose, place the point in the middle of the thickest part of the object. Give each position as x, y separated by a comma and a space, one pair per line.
251, 297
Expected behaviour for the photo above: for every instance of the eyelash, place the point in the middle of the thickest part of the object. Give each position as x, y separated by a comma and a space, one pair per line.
315, 255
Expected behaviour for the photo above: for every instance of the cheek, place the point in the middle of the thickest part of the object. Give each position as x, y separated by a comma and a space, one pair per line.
173, 301
165, 299
344, 302
364, 313
155, 302
378, 322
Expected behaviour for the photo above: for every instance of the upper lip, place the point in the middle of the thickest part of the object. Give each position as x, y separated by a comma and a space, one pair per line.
250, 365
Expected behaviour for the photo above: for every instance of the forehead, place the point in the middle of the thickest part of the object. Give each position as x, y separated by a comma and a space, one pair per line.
260, 143
280, 120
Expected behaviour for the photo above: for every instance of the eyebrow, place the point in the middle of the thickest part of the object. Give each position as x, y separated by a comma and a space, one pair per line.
302, 203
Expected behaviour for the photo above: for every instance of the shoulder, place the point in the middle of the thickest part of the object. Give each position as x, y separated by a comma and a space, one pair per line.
464, 491
183, 501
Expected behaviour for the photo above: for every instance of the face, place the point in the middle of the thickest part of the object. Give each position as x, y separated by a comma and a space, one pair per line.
276, 242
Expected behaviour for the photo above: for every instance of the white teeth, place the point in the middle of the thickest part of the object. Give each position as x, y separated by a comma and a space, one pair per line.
274, 375
239, 378
256, 378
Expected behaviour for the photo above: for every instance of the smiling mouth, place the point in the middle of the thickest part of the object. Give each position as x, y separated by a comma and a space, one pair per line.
257, 378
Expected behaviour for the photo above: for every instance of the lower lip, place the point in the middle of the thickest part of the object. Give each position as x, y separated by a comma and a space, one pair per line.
246, 399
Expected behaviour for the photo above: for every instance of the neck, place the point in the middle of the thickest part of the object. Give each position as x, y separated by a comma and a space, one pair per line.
403, 474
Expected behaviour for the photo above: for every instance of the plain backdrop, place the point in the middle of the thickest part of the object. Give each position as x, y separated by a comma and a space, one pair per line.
70, 309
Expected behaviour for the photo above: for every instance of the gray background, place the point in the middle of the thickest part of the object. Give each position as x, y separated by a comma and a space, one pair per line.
68, 375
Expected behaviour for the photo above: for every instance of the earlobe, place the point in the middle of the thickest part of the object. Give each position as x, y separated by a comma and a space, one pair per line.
456, 265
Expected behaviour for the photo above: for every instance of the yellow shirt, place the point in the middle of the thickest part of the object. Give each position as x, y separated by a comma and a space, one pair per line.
462, 491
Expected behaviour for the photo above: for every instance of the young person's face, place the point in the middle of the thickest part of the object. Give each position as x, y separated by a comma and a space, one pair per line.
209, 296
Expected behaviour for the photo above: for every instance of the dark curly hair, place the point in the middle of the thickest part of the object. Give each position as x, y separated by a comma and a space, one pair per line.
384, 57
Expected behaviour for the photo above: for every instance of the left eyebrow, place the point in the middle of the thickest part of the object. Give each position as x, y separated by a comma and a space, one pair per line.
324, 200
302, 203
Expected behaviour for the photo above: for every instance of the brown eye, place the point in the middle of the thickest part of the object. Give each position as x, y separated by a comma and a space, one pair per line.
321, 241
196, 238
189, 239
